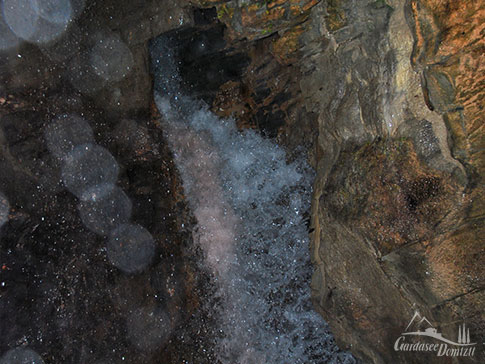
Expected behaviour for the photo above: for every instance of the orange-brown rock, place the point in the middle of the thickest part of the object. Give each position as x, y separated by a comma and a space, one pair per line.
422, 228
397, 90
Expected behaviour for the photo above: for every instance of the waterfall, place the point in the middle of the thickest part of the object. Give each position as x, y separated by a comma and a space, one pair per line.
249, 203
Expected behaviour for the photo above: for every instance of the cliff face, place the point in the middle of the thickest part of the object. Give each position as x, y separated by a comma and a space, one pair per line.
386, 96
59, 294
395, 90
398, 202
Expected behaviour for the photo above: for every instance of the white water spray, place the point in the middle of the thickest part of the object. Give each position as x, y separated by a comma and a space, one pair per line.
249, 205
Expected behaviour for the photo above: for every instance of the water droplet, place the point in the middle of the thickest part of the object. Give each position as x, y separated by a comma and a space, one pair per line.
89, 172
105, 214
67, 132
21, 355
148, 328
111, 59
4, 209
130, 248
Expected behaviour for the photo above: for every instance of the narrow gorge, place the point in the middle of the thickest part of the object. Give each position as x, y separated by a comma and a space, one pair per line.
241, 182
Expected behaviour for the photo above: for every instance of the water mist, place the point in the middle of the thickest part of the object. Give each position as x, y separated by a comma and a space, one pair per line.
249, 203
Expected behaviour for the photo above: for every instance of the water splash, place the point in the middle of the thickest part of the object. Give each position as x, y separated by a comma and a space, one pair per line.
249, 203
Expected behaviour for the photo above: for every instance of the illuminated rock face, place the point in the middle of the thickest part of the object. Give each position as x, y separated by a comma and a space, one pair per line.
386, 97
395, 93
399, 182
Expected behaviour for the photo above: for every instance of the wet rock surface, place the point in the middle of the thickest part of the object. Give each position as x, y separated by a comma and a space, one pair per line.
62, 296
394, 227
394, 89
83, 105
387, 97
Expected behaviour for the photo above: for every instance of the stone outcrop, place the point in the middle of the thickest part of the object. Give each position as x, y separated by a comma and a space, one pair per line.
59, 295
386, 96
395, 91
397, 205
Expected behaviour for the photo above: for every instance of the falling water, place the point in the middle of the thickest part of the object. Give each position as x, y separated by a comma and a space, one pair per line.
250, 204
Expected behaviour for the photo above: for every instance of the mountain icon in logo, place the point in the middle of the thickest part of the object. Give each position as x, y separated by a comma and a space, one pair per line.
421, 326
417, 322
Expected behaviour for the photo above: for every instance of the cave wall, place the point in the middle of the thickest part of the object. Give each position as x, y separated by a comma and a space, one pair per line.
386, 97
59, 295
396, 200
394, 91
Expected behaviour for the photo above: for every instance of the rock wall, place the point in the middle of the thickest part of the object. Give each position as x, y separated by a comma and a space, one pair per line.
394, 91
59, 294
386, 96
399, 190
